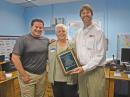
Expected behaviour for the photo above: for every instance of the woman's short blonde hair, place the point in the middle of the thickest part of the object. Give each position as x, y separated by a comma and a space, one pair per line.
59, 26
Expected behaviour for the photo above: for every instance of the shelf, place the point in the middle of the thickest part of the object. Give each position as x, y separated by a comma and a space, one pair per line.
49, 29
1, 63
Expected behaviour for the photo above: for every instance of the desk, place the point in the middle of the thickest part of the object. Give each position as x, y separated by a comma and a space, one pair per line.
10, 87
1, 63
111, 80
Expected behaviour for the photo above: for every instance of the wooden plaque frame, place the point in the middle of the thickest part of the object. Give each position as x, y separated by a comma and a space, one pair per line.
68, 60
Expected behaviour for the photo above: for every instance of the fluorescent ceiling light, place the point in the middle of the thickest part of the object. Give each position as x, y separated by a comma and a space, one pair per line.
28, 0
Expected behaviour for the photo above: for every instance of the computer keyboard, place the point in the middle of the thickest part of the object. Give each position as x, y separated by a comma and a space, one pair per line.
127, 72
127, 68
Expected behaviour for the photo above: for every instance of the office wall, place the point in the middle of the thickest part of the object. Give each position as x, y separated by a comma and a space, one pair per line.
118, 21
69, 11
113, 15
43, 12
11, 19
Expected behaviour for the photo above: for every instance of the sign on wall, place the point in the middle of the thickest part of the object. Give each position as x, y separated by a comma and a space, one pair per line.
123, 41
6, 45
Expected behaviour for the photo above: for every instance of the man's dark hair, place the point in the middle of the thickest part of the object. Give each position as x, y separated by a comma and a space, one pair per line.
37, 20
87, 7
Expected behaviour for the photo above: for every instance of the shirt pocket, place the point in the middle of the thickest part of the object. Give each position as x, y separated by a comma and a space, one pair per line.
90, 43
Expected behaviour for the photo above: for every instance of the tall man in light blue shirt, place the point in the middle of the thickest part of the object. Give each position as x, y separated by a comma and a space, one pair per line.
91, 51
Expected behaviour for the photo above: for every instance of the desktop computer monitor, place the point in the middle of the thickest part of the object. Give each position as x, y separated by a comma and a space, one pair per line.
125, 55
125, 59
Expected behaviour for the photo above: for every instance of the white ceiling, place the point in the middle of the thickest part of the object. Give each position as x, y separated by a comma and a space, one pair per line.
39, 2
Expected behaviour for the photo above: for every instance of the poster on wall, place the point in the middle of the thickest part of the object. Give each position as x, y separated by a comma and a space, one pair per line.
74, 27
6, 45
123, 41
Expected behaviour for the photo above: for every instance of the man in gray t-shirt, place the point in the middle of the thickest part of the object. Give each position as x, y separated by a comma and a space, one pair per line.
30, 56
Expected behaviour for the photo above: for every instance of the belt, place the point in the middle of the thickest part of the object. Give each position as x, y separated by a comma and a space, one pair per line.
33, 72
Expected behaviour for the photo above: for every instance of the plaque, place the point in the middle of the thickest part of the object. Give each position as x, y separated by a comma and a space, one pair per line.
68, 60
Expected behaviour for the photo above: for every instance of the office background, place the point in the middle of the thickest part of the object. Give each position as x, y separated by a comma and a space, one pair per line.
114, 16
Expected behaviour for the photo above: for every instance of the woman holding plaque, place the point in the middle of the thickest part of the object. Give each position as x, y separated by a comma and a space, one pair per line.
62, 85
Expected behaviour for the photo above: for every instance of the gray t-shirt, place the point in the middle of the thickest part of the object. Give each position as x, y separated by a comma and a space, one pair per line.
33, 53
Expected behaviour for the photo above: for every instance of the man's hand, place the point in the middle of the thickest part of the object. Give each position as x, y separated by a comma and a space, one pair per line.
26, 79
51, 41
77, 70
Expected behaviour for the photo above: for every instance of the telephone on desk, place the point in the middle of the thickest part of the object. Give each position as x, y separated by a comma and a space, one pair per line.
112, 65
113, 68
116, 65
127, 68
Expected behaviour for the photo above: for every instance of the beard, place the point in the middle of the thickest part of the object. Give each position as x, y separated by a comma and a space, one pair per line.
87, 20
